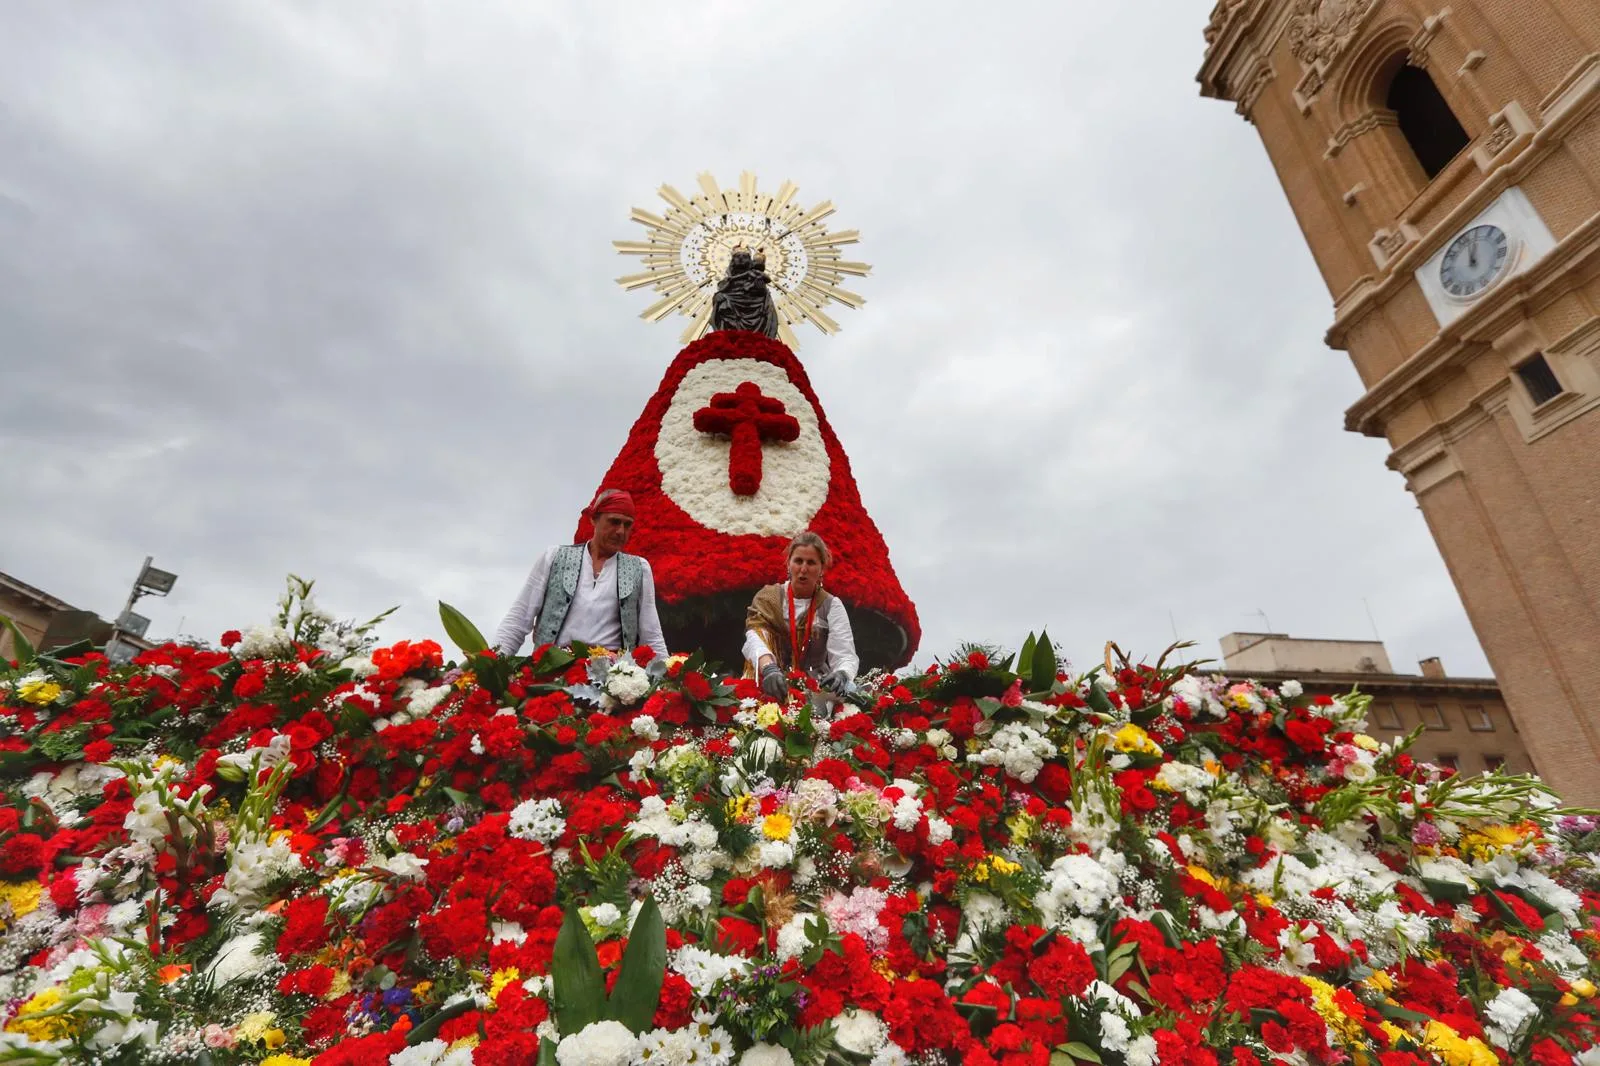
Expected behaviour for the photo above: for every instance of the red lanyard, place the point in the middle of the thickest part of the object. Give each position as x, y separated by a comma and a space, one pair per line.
797, 645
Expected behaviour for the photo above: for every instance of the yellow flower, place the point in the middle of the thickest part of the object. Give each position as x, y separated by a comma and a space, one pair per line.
1380, 980
257, 1028
1365, 743
1131, 738
1021, 825
54, 1027
21, 897
466, 680
1455, 1050
1200, 873
1003, 866
1347, 1028
1584, 987
39, 691
777, 826
1393, 1032
768, 714
500, 979
980, 872
284, 1060
739, 808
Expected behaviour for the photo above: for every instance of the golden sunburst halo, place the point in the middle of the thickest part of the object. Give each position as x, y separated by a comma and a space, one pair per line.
686, 251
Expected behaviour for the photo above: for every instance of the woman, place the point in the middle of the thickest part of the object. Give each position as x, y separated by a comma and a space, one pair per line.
798, 625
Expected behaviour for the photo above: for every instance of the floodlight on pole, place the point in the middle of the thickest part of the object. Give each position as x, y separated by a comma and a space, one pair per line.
150, 582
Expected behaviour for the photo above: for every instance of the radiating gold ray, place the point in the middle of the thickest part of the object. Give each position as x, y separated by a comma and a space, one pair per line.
686, 252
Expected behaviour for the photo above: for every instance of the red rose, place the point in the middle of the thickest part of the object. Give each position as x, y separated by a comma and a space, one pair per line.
231, 637
1304, 735
98, 751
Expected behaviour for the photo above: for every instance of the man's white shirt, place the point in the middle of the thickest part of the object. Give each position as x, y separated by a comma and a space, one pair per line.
595, 616
841, 639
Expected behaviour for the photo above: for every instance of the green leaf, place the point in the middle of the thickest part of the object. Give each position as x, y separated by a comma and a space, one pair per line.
1079, 1050
461, 632
637, 994
1042, 671
427, 1030
1026, 654
22, 648
579, 990
1400, 1014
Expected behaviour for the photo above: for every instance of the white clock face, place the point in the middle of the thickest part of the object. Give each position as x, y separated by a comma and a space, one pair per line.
1474, 260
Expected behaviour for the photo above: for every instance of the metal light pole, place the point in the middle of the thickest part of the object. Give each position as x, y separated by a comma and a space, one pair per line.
150, 582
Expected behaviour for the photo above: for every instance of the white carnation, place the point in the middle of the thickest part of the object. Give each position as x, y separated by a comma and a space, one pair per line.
604, 1043
860, 1032
627, 682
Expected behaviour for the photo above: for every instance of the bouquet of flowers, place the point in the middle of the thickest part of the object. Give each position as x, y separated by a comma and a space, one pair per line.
300, 847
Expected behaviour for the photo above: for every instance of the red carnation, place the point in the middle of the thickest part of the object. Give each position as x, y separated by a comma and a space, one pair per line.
1064, 969
922, 1018
23, 853
305, 928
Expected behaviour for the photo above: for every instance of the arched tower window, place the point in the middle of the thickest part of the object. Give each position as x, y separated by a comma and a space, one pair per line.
1425, 119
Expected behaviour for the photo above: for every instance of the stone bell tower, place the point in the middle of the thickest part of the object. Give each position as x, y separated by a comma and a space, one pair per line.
1443, 160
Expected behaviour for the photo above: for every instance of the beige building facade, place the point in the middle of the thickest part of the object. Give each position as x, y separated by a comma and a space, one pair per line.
1443, 161
1466, 724
47, 621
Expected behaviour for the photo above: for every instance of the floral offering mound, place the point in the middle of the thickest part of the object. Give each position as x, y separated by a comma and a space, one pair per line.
302, 848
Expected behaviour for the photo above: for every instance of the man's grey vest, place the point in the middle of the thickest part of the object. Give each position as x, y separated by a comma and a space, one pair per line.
562, 585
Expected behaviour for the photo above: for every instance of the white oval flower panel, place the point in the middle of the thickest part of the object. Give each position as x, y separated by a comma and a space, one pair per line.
694, 465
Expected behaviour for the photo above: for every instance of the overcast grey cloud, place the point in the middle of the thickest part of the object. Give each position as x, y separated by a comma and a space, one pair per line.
327, 288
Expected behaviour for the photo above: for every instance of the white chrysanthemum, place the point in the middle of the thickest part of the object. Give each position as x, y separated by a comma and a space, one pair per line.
693, 1045
1081, 883
1114, 1032
1141, 1051
265, 642
793, 941
704, 969
432, 1053
860, 1032
1019, 748
627, 682
766, 1055
1510, 1011
537, 819
605, 915
890, 1054
1192, 781
239, 957
604, 1043
645, 726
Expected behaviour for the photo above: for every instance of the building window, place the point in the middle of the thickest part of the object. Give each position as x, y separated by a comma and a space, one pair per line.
1388, 716
1491, 763
1425, 119
1478, 719
1540, 381
1432, 716
1447, 759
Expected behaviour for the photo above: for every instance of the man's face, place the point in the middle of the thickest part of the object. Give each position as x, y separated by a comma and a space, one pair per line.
611, 532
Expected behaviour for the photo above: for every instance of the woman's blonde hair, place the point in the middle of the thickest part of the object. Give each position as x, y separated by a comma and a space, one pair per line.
812, 540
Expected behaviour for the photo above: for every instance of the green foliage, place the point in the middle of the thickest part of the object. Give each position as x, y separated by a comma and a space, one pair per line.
461, 631
22, 648
578, 985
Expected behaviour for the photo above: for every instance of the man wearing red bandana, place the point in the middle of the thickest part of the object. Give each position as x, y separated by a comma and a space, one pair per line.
594, 592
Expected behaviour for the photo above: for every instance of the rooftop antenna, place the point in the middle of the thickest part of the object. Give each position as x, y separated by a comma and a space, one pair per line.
1264, 618
1371, 621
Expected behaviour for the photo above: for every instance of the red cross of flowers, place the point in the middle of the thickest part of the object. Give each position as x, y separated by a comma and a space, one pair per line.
748, 418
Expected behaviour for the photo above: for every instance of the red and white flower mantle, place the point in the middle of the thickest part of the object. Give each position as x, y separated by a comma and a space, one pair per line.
710, 542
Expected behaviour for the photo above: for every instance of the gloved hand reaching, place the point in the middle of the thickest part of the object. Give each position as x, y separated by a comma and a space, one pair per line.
837, 682
773, 684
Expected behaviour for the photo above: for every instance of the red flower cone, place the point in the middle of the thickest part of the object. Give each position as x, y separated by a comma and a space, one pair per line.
732, 457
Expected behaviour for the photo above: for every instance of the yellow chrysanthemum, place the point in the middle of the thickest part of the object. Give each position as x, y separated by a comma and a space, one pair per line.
1002, 865
259, 1028
768, 714
466, 680
777, 826
1380, 980
500, 979
980, 872
1021, 825
1130, 738
1348, 1029
1393, 1033
284, 1060
1455, 1049
38, 691
740, 808
53, 1027
21, 897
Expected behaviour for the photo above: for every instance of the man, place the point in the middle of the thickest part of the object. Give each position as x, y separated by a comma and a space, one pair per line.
589, 592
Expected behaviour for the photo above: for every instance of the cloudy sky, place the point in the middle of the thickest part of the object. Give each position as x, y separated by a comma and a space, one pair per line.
329, 289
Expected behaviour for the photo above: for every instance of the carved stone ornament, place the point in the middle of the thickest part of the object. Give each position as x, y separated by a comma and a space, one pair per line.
1320, 29
1221, 15
1500, 135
